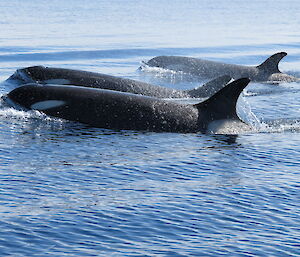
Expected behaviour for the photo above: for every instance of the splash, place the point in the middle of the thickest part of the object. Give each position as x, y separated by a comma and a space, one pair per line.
145, 67
281, 125
247, 115
171, 75
252, 124
266, 126
249, 93
10, 110
281, 77
228, 127
14, 115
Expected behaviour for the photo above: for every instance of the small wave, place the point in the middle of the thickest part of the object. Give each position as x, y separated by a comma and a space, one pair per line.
280, 125
10, 112
145, 67
248, 93
15, 114
182, 79
271, 89
46, 55
265, 126
252, 123
274, 126
229, 127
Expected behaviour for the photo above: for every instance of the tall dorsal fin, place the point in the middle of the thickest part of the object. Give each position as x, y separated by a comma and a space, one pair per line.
210, 87
271, 64
222, 105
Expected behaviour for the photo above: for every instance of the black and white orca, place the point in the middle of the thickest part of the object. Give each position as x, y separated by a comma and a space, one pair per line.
47, 75
268, 71
118, 110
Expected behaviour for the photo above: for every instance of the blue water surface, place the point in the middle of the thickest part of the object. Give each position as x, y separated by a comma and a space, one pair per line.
72, 190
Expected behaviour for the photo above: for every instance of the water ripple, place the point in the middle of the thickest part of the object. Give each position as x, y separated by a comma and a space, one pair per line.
71, 190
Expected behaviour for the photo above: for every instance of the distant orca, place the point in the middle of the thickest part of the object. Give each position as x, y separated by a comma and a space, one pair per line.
267, 71
118, 110
45, 75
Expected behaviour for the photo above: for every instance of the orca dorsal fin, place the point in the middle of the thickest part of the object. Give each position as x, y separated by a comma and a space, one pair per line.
222, 105
210, 87
271, 64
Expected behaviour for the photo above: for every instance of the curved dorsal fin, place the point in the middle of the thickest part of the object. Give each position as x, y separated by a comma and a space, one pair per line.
271, 64
210, 87
222, 105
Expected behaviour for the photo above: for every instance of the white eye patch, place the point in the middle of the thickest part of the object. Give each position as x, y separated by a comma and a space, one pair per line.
44, 105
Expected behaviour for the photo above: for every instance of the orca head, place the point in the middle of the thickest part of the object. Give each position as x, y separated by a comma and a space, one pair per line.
32, 96
21, 77
35, 73
40, 74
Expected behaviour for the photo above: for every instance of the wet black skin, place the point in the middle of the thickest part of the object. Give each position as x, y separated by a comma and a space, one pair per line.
118, 110
267, 71
44, 75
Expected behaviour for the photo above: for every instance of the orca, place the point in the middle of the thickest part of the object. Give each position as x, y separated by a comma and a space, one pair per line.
46, 75
126, 111
266, 72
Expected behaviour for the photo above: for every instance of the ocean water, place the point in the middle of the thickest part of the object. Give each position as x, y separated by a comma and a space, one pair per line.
70, 190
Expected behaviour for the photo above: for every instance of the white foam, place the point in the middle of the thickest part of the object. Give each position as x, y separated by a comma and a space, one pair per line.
12, 112
230, 127
27, 117
280, 126
246, 114
248, 93
282, 77
145, 67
